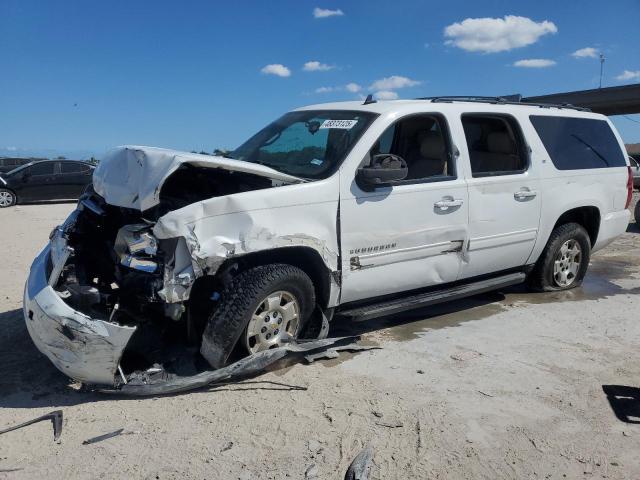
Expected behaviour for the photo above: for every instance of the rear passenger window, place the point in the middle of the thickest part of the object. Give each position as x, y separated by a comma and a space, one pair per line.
578, 143
70, 167
45, 168
496, 145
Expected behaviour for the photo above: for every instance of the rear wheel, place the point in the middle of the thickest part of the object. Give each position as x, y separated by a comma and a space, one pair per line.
263, 307
7, 198
564, 261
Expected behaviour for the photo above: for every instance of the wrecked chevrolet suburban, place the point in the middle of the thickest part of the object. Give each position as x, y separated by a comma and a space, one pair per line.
174, 263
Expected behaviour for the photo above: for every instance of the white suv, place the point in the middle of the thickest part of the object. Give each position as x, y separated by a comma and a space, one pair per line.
360, 209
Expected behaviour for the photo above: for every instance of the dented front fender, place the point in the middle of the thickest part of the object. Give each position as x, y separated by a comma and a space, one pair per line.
214, 230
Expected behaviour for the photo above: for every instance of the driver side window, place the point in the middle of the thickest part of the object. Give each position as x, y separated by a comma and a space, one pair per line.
422, 141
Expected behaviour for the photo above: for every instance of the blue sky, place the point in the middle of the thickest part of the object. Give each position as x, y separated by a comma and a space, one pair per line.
79, 77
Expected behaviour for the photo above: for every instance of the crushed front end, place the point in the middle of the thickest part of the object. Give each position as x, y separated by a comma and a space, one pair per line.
105, 298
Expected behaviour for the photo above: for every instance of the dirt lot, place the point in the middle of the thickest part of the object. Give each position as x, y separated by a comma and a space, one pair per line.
504, 385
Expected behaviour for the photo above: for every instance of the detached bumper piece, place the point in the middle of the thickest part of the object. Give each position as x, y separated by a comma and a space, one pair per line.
146, 385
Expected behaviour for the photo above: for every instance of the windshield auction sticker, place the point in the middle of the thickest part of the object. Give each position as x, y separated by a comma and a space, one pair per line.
344, 124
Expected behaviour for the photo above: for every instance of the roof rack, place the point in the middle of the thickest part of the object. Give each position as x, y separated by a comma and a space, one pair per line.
504, 100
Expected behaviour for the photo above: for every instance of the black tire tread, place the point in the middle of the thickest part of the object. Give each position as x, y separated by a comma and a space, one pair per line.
230, 318
537, 280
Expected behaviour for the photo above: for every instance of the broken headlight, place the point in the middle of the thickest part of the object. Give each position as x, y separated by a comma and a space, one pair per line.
136, 248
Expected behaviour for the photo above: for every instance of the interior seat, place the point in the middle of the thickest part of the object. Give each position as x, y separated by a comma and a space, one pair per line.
428, 157
501, 154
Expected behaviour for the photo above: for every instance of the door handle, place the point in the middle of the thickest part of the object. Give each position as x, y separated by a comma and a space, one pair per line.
448, 202
524, 194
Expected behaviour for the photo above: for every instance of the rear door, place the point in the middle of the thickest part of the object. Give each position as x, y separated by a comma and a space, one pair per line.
504, 194
409, 234
72, 179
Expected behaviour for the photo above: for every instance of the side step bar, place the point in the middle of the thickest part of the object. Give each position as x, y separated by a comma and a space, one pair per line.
398, 305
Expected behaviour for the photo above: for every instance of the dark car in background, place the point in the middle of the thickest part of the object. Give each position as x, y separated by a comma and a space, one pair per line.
11, 163
45, 180
634, 163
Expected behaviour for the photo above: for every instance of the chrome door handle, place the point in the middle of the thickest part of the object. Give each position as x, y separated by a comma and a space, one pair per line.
448, 202
524, 194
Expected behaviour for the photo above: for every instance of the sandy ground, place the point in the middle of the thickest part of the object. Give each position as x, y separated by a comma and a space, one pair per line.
504, 385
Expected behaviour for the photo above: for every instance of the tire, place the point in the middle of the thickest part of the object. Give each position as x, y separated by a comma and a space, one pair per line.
7, 198
243, 297
636, 213
545, 277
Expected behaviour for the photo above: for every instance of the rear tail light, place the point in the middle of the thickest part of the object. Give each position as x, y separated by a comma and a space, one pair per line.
629, 188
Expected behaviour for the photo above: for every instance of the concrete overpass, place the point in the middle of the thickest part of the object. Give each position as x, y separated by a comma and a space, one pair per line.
621, 100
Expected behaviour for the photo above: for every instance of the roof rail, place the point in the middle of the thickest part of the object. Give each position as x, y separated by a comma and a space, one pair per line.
505, 100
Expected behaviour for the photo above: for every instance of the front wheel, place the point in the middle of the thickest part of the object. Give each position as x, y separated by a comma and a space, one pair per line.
564, 261
7, 198
263, 307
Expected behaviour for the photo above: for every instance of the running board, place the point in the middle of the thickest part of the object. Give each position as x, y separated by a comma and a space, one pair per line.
398, 305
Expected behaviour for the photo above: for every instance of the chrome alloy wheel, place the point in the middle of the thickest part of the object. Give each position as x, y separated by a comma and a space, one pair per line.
275, 321
567, 263
6, 199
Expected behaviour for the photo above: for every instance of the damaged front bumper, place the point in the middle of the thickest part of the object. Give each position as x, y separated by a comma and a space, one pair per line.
83, 348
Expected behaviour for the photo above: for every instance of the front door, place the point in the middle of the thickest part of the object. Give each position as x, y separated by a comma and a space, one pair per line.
38, 182
504, 194
410, 234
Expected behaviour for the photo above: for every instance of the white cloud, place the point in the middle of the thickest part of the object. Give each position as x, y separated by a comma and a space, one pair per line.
12, 149
587, 52
386, 95
629, 75
534, 63
315, 66
276, 69
324, 89
349, 87
353, 87
325, 13
489, 35
393, 82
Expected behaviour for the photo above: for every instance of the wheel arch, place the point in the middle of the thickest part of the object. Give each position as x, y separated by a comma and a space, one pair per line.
306, 259
587, 216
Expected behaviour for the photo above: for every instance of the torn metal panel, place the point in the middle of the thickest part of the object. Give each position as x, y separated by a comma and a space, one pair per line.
179, 273
84, 348
254, 364
132, 176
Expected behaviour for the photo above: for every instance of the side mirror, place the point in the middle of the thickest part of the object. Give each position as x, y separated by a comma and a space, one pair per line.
385, 168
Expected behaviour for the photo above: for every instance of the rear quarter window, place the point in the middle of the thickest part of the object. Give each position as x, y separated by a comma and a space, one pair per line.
578, 143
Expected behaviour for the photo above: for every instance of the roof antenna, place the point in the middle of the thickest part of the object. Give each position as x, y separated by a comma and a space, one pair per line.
369, 100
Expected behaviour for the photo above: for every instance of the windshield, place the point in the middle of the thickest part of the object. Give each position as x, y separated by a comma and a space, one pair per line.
308, 144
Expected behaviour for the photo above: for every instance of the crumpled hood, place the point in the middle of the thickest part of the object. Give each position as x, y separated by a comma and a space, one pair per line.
132, 176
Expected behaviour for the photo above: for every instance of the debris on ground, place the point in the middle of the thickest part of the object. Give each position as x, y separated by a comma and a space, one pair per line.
106, 436
252, 365
56, 420
359, 468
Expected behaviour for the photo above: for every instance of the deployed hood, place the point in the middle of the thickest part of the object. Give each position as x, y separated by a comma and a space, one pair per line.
132, 177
